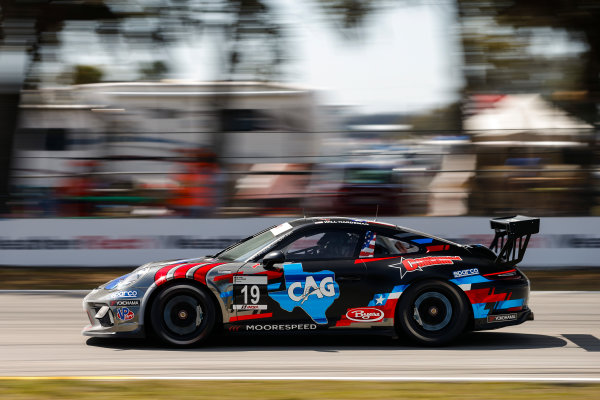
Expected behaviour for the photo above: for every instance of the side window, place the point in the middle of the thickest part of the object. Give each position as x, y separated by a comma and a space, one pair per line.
330, 244
383, 245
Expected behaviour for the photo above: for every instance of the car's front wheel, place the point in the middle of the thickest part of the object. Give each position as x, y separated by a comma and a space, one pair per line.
432, 313
183, 315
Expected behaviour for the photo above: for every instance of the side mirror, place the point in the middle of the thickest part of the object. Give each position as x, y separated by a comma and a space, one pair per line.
274, 257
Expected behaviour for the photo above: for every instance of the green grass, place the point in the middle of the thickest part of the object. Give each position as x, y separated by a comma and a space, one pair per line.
287, 390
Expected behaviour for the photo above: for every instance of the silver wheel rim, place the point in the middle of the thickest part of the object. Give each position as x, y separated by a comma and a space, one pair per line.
437, 299
183, 314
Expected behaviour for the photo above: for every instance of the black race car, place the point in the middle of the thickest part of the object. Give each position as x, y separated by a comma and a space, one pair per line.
325, 273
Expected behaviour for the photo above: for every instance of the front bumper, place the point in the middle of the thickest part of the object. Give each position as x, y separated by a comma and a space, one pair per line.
114, 313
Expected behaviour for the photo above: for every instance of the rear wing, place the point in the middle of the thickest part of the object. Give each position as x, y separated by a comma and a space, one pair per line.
512, 237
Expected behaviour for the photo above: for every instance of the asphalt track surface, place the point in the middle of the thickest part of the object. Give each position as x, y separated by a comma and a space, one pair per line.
40, 336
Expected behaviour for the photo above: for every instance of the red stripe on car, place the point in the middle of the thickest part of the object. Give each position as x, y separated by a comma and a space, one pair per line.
200, 274
182, 270
228, 277
441, 247
252, 316
502, 272
161, 275
484, 296
271, 274
374, 259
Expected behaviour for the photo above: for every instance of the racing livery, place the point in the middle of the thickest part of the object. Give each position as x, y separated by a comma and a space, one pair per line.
321, 273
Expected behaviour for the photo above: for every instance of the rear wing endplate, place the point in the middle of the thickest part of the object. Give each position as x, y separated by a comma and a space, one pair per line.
512, 237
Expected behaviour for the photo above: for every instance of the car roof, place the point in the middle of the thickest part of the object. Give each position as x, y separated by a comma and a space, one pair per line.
339, 220
347, 221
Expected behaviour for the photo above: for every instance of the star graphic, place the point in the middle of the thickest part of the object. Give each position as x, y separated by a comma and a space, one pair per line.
379, 300
401, 267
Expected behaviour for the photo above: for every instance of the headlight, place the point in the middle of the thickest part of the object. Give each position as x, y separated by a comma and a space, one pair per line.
130, 279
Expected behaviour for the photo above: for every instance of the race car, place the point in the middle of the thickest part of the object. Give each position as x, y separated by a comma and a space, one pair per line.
333, 273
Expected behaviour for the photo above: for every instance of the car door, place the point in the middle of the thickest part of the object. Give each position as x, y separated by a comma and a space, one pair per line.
321, 280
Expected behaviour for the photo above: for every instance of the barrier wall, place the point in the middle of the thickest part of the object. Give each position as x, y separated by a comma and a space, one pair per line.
562, 242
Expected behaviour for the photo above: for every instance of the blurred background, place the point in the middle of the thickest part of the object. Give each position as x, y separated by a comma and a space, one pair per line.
238, 108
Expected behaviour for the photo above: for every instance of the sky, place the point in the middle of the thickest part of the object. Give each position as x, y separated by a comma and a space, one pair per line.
406, 59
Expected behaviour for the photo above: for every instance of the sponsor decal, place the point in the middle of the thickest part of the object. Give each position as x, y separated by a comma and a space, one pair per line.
243, 307
502, 317
249, 291
351, 222
125, 303
281, 228
273, 327
413, 264
364, 314
236, 328
313, 292
465, 272
124, 293
125, 314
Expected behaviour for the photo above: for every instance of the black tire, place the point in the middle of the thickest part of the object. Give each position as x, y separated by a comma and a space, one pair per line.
432, 313
183, 315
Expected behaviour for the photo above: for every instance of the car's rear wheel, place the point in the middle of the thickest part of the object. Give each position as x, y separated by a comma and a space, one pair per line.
432, 313
183, 315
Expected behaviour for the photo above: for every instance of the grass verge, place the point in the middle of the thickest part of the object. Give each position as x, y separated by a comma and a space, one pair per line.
288, 390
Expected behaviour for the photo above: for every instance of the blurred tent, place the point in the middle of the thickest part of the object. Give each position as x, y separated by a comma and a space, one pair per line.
526, 117
532, 157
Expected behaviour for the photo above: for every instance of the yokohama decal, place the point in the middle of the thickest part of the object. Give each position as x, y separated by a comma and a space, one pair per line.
412, 264
502, 317
364, 314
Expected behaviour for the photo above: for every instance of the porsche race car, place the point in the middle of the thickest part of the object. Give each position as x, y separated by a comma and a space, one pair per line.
319, 273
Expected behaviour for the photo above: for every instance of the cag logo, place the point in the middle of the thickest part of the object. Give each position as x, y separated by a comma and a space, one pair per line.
325, 288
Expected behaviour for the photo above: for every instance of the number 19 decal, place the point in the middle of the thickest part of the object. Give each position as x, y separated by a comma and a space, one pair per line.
248, 291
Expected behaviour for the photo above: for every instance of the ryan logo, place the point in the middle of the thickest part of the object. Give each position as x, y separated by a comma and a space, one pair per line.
125, 314
364, 314
413, 264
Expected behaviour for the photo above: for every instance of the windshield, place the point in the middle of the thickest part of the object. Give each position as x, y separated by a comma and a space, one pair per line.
246, 248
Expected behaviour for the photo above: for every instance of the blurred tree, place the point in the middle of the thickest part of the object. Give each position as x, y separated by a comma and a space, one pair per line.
579, 18
153, 71
252, 45
349, 16
87, 74
24, 27
495, 44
